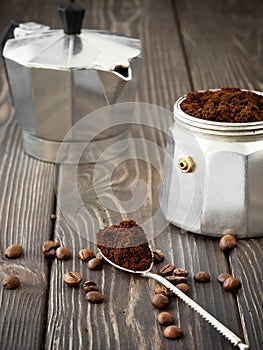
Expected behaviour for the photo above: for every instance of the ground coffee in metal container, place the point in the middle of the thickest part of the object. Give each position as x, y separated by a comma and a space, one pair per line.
212, 173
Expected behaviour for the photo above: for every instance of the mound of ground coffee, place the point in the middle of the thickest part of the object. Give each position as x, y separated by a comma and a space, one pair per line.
231, 105
125, 245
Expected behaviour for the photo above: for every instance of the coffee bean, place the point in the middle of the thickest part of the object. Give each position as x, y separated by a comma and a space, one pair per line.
222, 277
86, 255
160, 301
166, 269
183, 287
165, 318
49, 248
173, 332
89, 286
227, 242
158, 256
14, 251
95, 297
181, 272
95, 264
231, 283
72, 278
63, 253
11, 282
202, 276
176, 279
159, 289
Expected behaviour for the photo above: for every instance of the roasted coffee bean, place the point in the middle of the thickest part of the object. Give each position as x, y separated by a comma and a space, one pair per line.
222, 277
184, 287
63, 253
158, 256
49, 248
159, 289
231, 283
166, 269
95, 297
11, 282
172, 332
165, 318
176, 279
14, 251
227, 242
160, 301
95, 264
86, 255
72, 278
89, 286
180, 272
202, 276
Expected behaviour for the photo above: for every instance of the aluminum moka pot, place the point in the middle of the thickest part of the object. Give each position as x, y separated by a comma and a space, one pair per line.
57, 77
212, 176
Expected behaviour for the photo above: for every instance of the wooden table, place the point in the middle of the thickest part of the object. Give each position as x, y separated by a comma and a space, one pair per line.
187, 45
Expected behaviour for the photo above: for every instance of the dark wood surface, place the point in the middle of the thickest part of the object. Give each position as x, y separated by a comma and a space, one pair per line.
187, 45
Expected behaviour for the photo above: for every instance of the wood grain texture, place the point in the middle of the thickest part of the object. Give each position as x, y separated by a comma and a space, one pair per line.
223, 42
246, 263
27, 194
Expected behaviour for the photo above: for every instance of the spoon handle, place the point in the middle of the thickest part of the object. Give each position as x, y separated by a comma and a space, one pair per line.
235, 340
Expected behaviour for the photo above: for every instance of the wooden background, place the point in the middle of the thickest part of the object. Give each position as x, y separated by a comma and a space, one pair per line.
187, 45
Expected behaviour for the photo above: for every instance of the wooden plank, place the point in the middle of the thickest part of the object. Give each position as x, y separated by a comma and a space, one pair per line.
223, 47
127, 320
222, 42
246, 263
27, 199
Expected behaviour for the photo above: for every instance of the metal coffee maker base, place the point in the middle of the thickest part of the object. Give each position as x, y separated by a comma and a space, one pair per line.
212, 176
72, 152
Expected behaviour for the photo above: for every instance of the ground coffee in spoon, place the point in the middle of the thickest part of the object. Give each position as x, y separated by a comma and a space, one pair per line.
231, 105
125, 245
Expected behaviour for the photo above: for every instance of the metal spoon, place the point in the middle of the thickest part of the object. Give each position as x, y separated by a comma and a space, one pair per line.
235, 340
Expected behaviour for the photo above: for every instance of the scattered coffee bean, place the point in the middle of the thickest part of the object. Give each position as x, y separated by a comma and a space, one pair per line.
89, 286
181, 272
53, 216
227, 242
166, 269
95, 297
231, 283
72, 278
49, 248
160, 301
184, 287
14, 251
63, 253
95, 264
86, 255
165, 318
11, 282
176, 279
159, 289
222, 277
91, 289
158, 256
202, 276
172, 332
